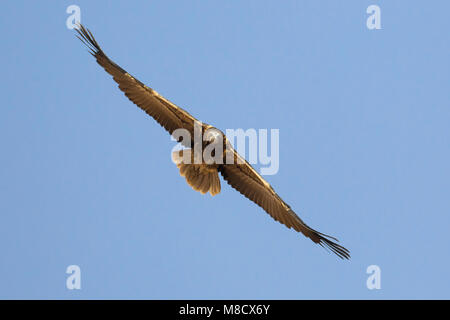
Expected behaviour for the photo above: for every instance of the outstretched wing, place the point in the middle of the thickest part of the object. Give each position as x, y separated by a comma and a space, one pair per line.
167, 114
242, 177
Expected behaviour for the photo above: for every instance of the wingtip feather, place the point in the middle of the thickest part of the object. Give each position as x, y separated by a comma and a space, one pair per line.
337, 249
86, 36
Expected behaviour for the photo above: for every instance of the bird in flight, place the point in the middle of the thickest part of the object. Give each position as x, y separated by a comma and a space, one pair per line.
203, 176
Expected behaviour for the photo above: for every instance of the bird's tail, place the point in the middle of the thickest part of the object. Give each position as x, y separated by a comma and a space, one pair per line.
201, 177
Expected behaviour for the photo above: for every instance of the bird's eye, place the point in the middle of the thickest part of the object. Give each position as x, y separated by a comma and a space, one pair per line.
212, 134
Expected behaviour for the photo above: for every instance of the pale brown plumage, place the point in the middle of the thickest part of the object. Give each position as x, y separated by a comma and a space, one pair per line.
240, 175
201, 177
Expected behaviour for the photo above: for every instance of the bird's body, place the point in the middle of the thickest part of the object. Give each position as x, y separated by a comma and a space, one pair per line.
203, 175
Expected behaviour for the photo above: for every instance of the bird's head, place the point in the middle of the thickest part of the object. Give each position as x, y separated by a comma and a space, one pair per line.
213, 135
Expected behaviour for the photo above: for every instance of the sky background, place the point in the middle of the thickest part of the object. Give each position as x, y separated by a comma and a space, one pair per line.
86, 177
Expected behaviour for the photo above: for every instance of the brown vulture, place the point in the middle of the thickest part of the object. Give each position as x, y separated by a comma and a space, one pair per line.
203, 176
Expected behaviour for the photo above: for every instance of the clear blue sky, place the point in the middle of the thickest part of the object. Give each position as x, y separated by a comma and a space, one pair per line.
86, 177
